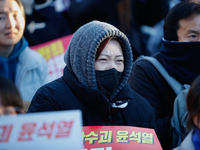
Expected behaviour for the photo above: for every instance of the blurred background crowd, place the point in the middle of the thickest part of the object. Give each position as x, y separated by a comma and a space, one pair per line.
141, 21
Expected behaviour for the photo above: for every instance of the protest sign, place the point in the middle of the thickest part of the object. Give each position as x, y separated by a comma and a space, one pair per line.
119, 138
53, 52
58, 130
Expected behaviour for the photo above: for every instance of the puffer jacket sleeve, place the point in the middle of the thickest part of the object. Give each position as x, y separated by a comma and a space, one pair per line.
50, 97
31, 73
146, 109
54, 96
42, 101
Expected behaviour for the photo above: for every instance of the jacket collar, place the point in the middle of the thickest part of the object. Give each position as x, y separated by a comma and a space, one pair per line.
187, 142
91, 98
181, 59
94, 99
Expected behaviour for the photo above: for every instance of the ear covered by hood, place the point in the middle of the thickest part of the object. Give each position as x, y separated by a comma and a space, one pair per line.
81, 52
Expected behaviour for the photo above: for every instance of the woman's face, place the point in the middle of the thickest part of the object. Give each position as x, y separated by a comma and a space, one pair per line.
12, 23
111, 57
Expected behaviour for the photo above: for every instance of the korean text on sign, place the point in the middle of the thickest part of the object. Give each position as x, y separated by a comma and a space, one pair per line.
122, 136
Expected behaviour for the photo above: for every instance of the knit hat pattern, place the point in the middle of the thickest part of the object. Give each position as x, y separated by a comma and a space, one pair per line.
81, 52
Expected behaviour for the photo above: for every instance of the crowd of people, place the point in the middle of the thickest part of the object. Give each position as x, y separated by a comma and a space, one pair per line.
102, 77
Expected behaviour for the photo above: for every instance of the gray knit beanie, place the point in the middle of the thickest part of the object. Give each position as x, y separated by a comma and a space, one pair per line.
81, 52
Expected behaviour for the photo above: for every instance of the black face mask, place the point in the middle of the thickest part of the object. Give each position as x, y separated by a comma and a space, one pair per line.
108, 79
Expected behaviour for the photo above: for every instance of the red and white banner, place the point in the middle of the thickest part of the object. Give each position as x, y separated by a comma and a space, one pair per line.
53, 51
58, 130
119, 138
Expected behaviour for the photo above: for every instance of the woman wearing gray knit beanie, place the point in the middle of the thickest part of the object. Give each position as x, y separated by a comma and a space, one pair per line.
98, 65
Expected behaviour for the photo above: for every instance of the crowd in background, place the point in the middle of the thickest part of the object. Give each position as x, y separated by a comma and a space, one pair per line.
134, 28
140, 20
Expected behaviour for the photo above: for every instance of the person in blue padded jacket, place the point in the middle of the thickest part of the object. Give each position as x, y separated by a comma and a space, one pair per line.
18, 63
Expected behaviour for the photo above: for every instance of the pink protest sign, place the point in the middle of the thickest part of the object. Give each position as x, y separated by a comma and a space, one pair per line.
53, 52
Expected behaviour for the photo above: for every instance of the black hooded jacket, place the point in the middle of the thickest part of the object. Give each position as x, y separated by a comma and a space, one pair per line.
78, 89
67, 93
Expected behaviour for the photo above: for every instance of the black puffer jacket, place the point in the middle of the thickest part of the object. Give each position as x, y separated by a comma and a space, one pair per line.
143, 12
68, 93
45, 24
78, 88
150, 84
181, 61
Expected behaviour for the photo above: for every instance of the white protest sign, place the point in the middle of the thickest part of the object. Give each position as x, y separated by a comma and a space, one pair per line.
58, 130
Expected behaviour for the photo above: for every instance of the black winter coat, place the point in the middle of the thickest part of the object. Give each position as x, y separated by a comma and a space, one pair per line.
144, 12
55, 26
150, 84
67, 93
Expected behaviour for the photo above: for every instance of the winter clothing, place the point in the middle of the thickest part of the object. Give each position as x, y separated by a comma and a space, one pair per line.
149, 12
80, 57
45, 24
148, 82
144, 77
30, 69
181, 63
8, 65
31, 73
78, 88
187, 143
108, 79
81, 12
196, 138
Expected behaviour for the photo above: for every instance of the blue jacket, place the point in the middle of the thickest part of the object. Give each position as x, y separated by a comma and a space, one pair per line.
31, 73
25, 67
187, 143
